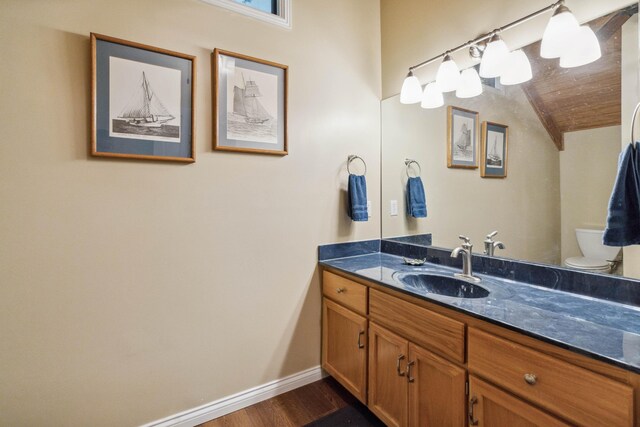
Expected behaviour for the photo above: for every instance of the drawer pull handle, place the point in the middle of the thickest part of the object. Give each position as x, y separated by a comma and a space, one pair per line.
472, 420
360, 334
530, 379
341, 290
401, 373
409, 377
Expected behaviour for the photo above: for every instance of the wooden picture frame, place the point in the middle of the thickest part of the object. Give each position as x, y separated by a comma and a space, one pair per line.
462, 138
142, 101
494, 150
249, 104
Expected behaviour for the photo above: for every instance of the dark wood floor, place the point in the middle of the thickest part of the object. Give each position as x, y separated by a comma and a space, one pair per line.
292, 409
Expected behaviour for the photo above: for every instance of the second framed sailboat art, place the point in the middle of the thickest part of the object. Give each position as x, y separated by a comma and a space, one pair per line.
250, 104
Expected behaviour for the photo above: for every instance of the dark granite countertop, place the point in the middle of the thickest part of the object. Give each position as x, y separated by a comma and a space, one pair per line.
602, 330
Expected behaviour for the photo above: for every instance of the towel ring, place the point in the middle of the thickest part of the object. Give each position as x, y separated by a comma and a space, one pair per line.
633, 124
353, 157
408, 163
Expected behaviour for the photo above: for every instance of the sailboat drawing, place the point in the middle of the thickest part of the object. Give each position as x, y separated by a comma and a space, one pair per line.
463, 142
247, 105
145, 108
493, 159
252, 106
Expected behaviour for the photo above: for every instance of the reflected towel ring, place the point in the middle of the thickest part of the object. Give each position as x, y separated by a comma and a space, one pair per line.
633, 124
353, 157
408, 163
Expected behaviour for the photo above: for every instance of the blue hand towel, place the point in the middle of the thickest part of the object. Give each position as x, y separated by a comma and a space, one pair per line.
416, 200
623, 218
357, 191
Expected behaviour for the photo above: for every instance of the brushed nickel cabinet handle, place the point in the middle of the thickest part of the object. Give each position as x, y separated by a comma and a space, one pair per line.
472, 420
409, 377
341, 290
530, 379
401, 373
360, 334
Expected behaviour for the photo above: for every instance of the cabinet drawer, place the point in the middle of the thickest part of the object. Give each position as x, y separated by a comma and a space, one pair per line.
346, 292
574, 393
430, 330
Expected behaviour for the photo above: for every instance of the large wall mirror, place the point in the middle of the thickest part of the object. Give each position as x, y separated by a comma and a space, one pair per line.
566, 128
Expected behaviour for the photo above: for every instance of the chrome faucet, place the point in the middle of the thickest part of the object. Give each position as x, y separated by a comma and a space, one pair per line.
490, 246
466, 250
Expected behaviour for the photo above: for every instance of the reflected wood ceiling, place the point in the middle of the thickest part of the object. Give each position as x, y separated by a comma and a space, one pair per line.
586, 97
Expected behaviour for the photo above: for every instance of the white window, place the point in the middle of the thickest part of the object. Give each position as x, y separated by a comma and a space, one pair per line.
276, 12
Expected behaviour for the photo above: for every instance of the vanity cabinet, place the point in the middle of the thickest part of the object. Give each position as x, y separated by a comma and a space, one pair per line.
415, 363
581, 396
344, 335
490, 406
409, 385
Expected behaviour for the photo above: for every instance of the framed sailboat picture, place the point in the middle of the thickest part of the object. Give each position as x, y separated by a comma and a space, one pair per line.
250, 104
495, 140
462, 137
142, 101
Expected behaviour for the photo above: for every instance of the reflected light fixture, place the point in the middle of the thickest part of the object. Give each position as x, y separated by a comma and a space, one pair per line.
470, 84
494, 57
563, 38
585, 48
432, 97
557, 33
448, 76
517, 69
411, 92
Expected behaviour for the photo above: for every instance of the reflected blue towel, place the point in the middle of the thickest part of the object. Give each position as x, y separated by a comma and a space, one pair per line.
416, 200
623, 218
357, 192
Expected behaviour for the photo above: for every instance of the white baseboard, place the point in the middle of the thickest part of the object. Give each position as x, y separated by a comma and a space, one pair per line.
226, 405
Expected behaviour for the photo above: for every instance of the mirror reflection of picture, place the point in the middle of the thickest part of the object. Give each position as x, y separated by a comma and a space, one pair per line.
462, 128
494, 150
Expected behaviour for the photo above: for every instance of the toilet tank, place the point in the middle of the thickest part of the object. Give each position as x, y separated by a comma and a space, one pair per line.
590, 242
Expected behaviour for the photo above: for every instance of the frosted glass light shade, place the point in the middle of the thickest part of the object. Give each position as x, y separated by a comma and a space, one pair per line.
585, 49
557, 33
432, 97
470, 84
517, 69
493, 58
448, 76
411, 92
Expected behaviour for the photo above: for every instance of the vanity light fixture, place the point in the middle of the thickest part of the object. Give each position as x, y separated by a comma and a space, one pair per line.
432, 97
559, 29
494, 57
411, 92
563, 38
448, 76
517, 69
470, 84
585, 48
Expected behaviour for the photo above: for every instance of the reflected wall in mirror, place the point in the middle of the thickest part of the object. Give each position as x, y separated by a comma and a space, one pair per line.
566, 130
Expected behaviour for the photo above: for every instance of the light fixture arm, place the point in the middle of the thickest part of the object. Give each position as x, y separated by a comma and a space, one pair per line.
489, 35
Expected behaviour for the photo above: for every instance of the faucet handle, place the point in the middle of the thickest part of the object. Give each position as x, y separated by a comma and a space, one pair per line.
492, 234
466, 240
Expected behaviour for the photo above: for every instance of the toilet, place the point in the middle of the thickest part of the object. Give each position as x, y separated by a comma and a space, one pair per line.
596, 255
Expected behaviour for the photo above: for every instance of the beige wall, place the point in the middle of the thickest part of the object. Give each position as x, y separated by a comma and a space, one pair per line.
588, 168
416, 30
524, 207
132, 290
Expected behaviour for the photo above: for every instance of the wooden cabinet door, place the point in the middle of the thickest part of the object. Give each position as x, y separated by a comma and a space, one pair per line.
387, 375
492, 407
344, 347
436, 390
